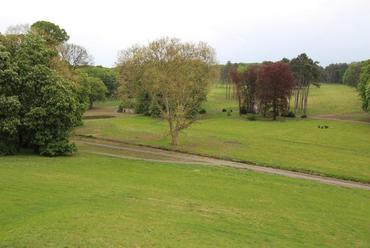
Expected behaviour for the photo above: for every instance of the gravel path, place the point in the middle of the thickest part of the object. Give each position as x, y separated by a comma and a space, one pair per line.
183, 158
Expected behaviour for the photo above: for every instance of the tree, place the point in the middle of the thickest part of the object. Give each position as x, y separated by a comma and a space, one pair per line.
38, 108
107, 75
175, 75
335, 72
305, 72
274, 85
18, 29
364, 85
50, 32
75, 55
245, 82
352, 74
92, 89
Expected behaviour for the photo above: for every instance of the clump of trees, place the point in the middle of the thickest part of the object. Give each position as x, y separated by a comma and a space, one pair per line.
306, 71
351, 76
172, 76
107, 75
334, 72
285, 80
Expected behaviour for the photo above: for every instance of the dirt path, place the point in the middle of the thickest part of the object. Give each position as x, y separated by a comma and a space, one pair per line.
121, 150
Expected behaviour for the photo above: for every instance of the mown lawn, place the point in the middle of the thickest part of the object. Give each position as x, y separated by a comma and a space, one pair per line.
333, 99
341, 151
95, 201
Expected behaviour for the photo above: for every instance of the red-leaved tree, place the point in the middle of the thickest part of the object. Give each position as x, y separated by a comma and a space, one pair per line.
274, 85
245, 83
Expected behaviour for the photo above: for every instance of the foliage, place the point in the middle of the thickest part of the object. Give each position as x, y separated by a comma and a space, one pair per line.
335, 72
92, 89
364, 85
352, 74
50, 32
245, 79
274, 85
176, 77
305, 72
44, 106
107, 75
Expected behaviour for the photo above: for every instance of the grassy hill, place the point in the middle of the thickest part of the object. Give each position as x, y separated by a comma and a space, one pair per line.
341, 151
94, 201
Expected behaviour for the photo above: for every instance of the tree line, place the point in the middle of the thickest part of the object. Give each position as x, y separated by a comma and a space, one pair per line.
306, 72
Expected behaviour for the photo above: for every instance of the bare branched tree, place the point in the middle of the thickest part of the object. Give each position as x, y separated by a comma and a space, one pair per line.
18, 29
75, 55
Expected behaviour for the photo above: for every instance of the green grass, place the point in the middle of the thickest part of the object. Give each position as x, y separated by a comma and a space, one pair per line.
341, 151
95, 201
333, 99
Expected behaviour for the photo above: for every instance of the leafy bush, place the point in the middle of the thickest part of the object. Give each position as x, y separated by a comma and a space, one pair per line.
62, 147
251, 117
202, 111
290, 114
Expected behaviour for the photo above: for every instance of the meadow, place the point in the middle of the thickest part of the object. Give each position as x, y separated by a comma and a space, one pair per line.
93, 201
341, 150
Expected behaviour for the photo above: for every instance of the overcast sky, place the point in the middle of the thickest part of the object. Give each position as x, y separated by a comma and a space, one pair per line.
240, 31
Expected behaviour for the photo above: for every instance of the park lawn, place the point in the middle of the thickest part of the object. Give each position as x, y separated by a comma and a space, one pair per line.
341, 151
95, 201
333, 99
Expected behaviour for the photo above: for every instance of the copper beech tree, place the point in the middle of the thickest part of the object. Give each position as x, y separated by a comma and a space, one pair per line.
274, 86
175, 75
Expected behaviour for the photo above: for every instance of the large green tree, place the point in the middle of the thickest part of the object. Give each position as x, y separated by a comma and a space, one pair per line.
92, 89
107, 75
50, 32
352, 74
364, 85
38, 108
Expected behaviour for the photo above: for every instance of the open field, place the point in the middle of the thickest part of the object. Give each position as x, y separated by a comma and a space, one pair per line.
341, 151
94, 201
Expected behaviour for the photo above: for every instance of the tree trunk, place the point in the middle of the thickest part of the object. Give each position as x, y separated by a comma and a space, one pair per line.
306, 101
174, 137
274, 109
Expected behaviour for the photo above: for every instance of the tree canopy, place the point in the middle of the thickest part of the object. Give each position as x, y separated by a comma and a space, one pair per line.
175, 75
38, 107
274, 85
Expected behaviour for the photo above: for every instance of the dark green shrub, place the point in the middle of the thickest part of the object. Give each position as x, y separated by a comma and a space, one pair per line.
202, 111
251, 118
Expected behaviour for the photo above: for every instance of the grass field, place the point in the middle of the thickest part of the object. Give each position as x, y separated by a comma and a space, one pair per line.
342, 150
94, 201
333, 99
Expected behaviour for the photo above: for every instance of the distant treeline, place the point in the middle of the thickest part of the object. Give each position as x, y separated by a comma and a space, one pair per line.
356, 74
339, 73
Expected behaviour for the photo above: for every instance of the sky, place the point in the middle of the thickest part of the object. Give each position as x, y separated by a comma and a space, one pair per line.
329, 31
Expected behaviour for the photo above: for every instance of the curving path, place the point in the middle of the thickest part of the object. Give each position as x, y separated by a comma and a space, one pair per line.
128, 151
